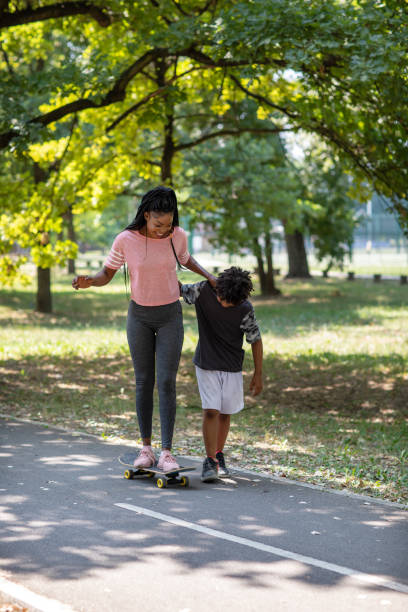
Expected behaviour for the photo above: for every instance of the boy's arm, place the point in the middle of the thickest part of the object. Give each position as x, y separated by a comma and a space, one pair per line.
256, 384
191, 293
250, 328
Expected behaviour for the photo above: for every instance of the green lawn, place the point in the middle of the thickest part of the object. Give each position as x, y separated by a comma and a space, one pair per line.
334, 407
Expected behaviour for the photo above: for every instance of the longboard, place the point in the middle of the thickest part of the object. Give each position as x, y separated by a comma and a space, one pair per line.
163, 478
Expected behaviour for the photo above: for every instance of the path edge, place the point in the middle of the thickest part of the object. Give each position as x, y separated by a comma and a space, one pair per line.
124, 442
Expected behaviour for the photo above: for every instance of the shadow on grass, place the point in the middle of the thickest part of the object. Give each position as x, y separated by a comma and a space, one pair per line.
324, 408
368, 385
71, 309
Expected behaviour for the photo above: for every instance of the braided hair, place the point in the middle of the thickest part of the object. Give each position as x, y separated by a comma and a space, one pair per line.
160, 200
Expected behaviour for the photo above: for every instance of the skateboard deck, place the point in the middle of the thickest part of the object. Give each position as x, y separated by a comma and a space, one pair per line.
163, 478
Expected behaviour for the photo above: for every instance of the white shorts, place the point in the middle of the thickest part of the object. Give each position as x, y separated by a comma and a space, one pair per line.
222, 391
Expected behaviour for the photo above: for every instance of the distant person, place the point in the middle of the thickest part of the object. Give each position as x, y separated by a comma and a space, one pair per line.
224, 315
151, 246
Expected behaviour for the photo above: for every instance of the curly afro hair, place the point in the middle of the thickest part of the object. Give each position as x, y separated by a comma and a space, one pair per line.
234, 285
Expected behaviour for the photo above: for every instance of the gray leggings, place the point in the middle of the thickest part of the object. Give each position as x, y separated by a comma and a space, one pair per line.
155, 334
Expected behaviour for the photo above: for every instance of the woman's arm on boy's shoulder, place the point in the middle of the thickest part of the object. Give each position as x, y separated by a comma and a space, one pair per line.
193, 265
191, 293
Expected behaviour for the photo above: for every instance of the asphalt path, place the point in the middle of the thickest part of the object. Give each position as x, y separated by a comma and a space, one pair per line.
77, 536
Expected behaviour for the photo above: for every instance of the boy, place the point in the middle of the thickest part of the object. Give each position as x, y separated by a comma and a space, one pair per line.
224, 315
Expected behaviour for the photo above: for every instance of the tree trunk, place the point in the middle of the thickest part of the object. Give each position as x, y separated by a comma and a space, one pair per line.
266, 278
260, 265
168, 152
297, 258
44, 299
271, 289
72, 237
161, 67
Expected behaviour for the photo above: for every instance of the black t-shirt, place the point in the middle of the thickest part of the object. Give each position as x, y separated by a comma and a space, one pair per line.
221, 329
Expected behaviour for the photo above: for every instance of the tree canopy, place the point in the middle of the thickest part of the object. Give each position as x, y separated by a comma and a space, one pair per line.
93, 91
338, 69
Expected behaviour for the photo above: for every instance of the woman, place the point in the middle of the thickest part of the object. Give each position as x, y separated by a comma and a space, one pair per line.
151, 246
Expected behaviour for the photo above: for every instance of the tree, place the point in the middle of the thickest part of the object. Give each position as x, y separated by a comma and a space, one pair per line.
298, 266
238, 187
295, 225
331, 219
332, 68
143, 135
52, 180
333, 224
346, 81
123, 69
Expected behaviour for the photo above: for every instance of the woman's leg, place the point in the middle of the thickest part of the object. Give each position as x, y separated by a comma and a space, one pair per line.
169, 342
142, 342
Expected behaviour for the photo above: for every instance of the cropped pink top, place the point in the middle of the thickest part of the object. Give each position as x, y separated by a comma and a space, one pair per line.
151, 263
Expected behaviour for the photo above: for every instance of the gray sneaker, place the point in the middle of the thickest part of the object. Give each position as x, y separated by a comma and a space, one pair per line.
210, 470
223, 471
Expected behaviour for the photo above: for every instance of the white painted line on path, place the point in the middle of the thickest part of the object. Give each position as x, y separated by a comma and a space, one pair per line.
24, 595
279, 552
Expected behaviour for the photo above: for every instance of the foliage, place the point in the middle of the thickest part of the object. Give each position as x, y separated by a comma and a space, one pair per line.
239, 187
343, 75
93, 92
332, 220
243, 187
97, 229
50, 178
334, 68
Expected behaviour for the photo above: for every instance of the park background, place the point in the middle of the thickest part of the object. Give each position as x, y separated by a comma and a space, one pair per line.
282, 126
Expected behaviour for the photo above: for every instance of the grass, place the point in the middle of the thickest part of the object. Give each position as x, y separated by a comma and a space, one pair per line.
334, 406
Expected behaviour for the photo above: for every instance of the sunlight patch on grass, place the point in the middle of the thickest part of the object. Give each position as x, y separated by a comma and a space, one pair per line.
333, 410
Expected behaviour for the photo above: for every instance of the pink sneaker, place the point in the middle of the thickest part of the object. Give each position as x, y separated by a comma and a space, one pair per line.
146, 458
167, 462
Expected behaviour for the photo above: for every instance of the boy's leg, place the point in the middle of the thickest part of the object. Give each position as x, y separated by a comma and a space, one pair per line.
210, 431
210, 387
210, 427
232, 402
224, 421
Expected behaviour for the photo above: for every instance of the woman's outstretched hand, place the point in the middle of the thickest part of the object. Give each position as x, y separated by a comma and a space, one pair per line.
82, 282
212, 280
